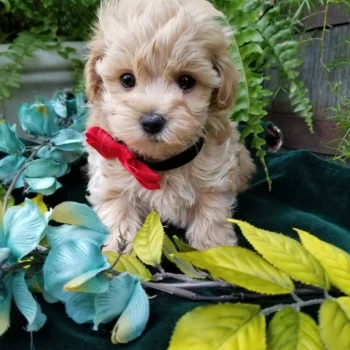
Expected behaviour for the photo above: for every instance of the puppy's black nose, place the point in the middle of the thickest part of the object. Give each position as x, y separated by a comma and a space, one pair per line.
152, 123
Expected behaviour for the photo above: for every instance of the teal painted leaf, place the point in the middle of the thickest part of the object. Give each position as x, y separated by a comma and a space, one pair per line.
89, 282
111, 304
4, 254
134, 318
79, 215
26, 304
61, 156
5, 304
68, 140
39, 183
9, 141
9, 166
81, 104
75, 258
44, 185
47, 296
45, 152
23, 228
80, 307
60, 234
39, 118
59, 108
2, 233
43, 168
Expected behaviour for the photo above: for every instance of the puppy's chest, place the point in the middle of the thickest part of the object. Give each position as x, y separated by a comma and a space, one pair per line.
177, 195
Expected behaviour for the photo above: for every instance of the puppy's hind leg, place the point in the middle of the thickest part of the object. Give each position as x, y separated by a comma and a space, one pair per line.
123, 219
208, 226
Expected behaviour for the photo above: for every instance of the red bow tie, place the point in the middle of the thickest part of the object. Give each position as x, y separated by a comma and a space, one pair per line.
109, 148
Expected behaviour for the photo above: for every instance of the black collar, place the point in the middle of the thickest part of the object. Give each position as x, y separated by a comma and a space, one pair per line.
176, 161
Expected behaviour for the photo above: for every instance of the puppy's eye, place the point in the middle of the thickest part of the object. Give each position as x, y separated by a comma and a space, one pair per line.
186, 82
128, 80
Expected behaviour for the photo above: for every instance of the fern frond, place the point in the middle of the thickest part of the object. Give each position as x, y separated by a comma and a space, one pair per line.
283, 49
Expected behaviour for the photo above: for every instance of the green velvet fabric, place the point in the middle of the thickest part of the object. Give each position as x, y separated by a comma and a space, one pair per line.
307, 192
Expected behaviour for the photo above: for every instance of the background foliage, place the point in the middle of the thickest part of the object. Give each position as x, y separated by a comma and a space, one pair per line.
41, 24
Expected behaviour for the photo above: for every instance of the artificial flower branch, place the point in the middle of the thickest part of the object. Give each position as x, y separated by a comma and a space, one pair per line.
19, 173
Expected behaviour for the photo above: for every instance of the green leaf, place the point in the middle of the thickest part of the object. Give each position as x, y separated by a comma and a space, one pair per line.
335, 261
2, 196
293, 330
243, 267
334, 319
286, 254
130, 264
248, 35
185, 266
249, 49
220, 327
183, 247
148, 242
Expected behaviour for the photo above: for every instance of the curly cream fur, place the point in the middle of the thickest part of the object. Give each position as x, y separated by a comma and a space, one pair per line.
158, 40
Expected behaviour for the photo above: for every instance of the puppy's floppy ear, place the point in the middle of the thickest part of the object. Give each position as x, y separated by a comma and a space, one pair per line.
93, 81
225, 95
219, 125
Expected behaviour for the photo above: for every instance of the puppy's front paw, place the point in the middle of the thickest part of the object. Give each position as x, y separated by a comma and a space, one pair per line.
214, 237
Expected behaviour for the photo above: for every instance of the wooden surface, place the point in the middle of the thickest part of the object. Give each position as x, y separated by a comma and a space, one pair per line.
312, 73
336, 15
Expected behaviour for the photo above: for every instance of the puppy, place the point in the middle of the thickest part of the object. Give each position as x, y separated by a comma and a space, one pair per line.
159, 80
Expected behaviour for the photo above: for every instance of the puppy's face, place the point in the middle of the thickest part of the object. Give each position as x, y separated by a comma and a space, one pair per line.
159, 73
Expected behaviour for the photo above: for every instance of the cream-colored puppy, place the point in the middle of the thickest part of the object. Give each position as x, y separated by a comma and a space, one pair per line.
159, 77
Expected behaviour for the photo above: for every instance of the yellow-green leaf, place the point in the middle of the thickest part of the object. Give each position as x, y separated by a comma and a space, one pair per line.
186, 267
1, 212
128, 263
149, 240
3, 191
183, 247
242, 267
334, 319
293, 330
335, 261
286, 254
220, 327
39, 202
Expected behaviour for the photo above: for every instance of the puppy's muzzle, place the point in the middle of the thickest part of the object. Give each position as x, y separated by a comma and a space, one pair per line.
152, 123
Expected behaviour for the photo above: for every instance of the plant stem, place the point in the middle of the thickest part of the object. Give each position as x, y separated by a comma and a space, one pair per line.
296, 305
116, 261
197, 284
9, 268
186, 294
19, 173
323, 37
176, 276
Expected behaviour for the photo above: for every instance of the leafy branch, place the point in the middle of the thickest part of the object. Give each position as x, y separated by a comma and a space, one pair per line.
260, 39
